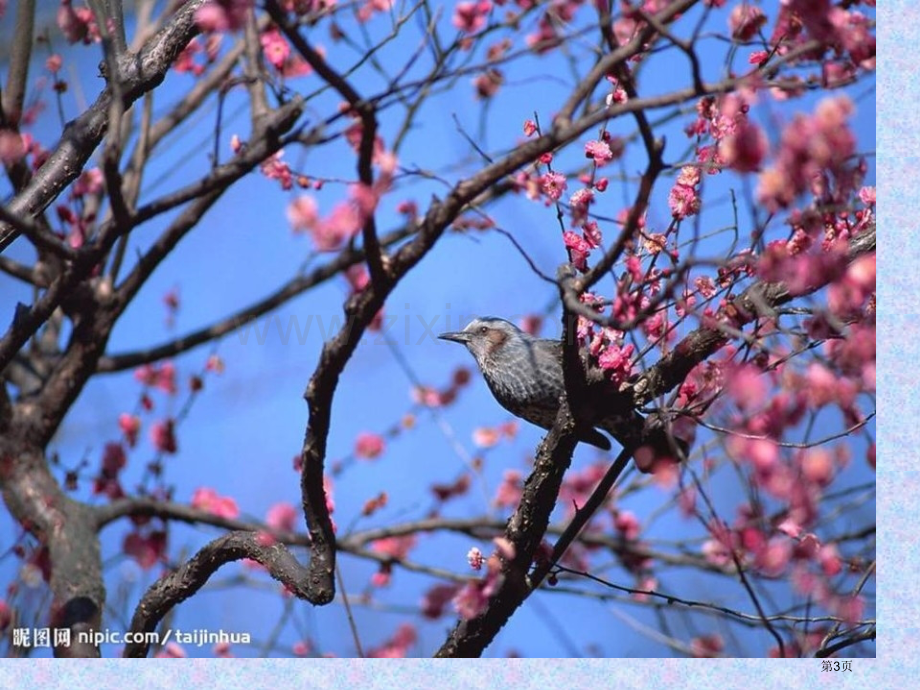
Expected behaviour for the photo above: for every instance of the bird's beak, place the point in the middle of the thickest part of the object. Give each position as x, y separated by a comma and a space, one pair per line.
458, 337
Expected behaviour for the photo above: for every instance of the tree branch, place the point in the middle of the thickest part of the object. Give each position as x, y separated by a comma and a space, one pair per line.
140, 73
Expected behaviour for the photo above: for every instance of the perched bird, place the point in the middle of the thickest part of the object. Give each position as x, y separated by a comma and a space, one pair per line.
524, 374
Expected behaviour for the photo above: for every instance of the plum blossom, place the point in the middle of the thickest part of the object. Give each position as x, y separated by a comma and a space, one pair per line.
77, 24
684, 198
130, 426
475, 558
553, 185
275, 48
395, 547
210, 501
397, 647
282, 517
809, 147
369, 446
436, 599
745, 149
599, 151
222, 15
745, 21
147, 549
163, 436
579, 249
617, 361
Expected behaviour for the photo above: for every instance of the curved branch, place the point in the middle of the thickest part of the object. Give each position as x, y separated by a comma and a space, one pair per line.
190, 577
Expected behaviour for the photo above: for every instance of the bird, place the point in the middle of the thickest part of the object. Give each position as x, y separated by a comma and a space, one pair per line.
524, 374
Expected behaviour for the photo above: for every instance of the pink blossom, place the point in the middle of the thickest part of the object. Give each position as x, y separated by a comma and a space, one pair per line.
475, 558
130, 425
163, 436
275, 48
162, 377
470, 17
505, 548
12, 148
407, 208
817, 466
758, 57
210, 501
745, 149
716, 552
214, 363
369, 446
745, 21
810, 147
578, 485
488, 83
748, 387
146, 549
530, 127
867, 196
553, 185
282, 517
371, 7
853, 31
509, 491
850, 608
486, 437
599, 151
301, 648
580, 201
617, 361
222, 15
618, 93
829, 558
436, 598
683, 201
762, 453
773, 557
579, 249
471, 600
77, 24
89, 182
303, 214
113, 460
365, 199
707, 646
395, 547
397, 647
276, 169
222, 650
790, 528
821, 386
627, 524
382, 577
592, 234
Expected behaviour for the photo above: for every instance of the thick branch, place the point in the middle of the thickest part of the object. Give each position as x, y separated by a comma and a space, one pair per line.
65, 528
194, 574
138, 74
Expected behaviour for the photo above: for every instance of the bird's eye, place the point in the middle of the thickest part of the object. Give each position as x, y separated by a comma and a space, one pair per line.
483, 330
